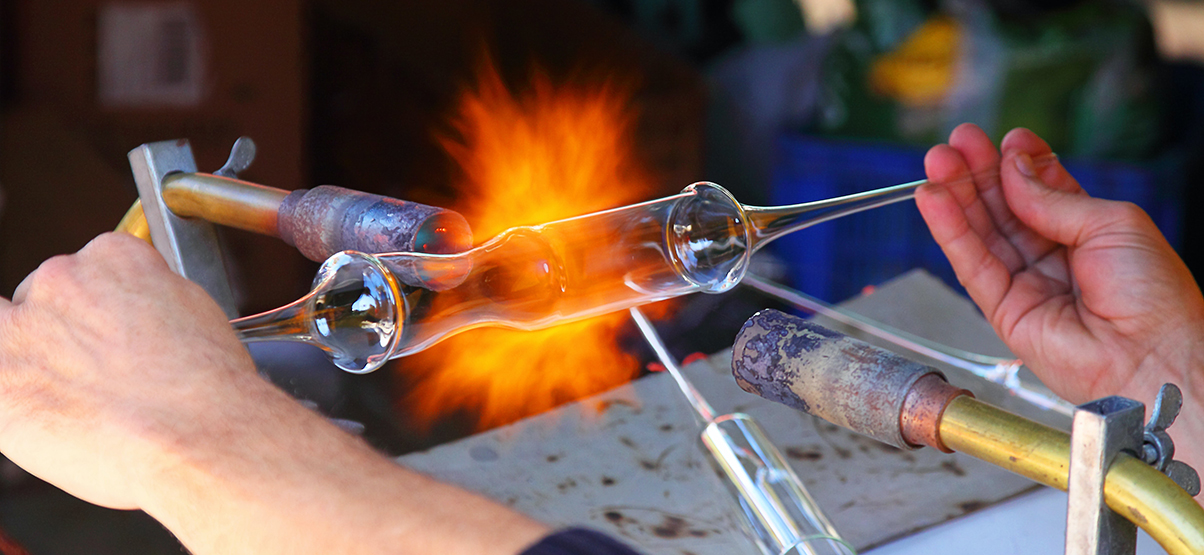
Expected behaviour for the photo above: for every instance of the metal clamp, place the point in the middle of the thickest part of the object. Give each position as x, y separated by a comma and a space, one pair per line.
1159, 450
190, 246
1103, 429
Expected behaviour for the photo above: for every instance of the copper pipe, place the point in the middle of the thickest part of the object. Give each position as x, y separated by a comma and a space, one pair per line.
1133, 489
923, 408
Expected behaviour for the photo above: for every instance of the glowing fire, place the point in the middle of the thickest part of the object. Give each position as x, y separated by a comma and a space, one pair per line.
553, 152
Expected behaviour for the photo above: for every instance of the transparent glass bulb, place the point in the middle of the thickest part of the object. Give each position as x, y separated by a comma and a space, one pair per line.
534, 277
353, 313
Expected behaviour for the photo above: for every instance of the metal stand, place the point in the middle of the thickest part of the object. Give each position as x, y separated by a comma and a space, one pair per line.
1102, 430
189, 245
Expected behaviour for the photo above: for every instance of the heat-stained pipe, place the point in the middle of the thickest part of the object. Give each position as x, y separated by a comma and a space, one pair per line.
327, 219
827, 374
319, 221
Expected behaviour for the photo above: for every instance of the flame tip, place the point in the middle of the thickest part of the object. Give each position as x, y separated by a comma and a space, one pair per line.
555, 151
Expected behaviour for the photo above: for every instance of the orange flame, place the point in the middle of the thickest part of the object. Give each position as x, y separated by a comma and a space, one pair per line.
554, 152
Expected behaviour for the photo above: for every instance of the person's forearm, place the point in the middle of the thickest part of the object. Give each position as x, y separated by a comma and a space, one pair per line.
124, 385
264, 475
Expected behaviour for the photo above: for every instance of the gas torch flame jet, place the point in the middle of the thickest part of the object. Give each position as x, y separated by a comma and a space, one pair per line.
553, 152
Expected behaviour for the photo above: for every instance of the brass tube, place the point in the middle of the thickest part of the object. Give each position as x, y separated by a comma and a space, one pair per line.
220, 200
1132, 488
224, 201
134, 222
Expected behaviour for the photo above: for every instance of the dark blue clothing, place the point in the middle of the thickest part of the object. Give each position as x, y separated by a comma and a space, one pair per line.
578, 541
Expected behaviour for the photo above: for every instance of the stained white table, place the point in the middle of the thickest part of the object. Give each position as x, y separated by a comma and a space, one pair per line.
628, 461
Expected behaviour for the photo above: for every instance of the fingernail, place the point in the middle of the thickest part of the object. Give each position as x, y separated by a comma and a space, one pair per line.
1024, 164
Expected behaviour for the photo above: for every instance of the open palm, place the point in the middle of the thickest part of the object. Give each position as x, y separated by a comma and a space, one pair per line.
1085, 291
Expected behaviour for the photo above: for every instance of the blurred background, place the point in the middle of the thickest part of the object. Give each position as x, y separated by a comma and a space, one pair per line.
781, 101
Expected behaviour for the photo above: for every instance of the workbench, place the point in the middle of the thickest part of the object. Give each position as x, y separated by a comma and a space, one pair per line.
628, 461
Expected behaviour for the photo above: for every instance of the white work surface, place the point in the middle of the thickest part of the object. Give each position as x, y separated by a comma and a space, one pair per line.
1033, 524
628, 462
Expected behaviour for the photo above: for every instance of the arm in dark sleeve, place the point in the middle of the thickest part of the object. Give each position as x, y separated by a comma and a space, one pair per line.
578, 541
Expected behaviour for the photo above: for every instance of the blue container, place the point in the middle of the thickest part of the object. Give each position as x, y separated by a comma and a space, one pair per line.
836, 260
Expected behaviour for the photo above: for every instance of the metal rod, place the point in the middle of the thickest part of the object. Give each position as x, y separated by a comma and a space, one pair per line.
1137, 491
224, 201
189, 245
215, 199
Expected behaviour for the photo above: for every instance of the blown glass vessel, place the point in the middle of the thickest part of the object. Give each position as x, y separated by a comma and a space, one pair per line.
365, 309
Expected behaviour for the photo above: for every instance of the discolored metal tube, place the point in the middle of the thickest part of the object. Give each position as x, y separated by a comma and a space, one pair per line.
319, 221
327, 219
827, 374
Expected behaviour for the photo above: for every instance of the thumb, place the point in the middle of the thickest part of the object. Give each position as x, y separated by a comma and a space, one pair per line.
1065, 214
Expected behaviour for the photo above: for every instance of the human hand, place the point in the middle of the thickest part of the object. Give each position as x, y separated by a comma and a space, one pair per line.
1087, 292
124, 385
103, 354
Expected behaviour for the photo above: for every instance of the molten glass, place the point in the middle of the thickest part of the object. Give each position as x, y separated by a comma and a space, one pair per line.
539, 276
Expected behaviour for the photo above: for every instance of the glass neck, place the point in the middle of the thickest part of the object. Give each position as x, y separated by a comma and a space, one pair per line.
770, 222
287, 323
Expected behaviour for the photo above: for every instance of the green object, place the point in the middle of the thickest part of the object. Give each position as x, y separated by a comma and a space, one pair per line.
1082, 78
768, 21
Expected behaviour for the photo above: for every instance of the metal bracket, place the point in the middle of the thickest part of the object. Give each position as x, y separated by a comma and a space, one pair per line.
1102, 429
189, 246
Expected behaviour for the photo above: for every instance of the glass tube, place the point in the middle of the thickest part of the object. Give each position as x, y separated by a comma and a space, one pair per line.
782, 515
538, 276
779, 513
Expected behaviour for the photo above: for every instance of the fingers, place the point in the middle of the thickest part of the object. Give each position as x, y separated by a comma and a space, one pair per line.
957, 207
123, 249
22, 289
984, 274
1056, 207
1022, 140
982, 160
973, 143
110, 252
947, 166
1017, 245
